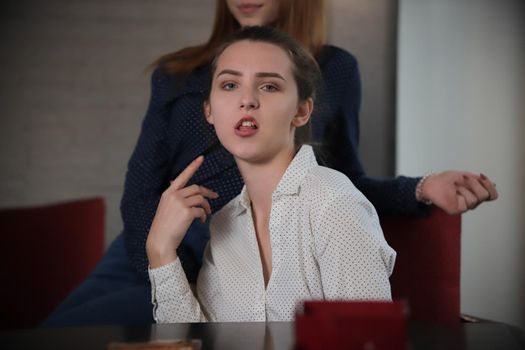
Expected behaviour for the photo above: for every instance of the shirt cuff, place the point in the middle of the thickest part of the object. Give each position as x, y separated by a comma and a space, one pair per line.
168, 282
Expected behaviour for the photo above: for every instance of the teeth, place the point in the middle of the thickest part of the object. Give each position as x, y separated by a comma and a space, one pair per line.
248, 124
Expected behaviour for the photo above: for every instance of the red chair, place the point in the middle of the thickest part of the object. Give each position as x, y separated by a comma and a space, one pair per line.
427, 270
46, 251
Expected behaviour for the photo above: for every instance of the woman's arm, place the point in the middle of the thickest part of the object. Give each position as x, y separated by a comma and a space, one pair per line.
354, 259
456, 191
148, 172
449, 190
172, 298
340, 137
179, 205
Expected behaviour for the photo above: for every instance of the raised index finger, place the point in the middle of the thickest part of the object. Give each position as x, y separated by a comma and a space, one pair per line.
185, 176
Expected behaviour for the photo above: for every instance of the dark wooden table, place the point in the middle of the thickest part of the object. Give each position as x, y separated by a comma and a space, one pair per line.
253, 336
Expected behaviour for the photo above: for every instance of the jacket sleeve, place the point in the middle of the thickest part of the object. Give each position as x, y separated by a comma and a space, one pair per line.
147, 172
390, 195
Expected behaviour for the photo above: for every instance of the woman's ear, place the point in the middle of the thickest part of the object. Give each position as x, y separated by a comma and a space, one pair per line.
207, 112
304, 111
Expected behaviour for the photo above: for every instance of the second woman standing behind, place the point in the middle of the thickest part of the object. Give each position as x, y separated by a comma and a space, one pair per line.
173, 132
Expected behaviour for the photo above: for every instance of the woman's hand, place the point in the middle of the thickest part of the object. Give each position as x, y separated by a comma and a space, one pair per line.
178, 207
458, 191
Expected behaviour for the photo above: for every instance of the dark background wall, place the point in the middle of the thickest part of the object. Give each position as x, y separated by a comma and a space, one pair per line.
73, 88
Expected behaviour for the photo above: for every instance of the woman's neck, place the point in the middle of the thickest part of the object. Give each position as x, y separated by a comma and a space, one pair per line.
262, 178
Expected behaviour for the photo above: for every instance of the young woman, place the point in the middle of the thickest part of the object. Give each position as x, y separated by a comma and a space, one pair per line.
298, 231
174, 133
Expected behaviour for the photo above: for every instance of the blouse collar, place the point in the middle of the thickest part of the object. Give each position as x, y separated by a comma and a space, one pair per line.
290, 183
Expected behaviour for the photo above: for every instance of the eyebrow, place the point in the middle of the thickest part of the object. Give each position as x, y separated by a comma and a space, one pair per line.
259, 75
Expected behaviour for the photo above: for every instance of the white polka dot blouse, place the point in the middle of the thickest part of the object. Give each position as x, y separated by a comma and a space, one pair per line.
326, 242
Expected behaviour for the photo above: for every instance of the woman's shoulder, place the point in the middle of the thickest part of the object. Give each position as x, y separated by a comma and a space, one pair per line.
329, 183
340, 70
163, 83
329, 188
166, 85
335, 56
160, 77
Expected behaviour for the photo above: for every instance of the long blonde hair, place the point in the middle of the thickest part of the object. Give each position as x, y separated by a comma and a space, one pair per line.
301, 19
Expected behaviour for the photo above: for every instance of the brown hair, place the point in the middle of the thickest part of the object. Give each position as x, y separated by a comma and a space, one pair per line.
303, 20
306, 72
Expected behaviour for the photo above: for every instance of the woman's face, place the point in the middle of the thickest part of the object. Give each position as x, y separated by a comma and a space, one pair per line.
254, 104
254, 12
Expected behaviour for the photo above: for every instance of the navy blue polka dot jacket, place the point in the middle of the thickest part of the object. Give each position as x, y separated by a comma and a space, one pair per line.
174, 132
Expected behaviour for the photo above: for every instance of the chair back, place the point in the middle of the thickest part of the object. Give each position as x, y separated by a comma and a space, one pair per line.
427, 269
46, 251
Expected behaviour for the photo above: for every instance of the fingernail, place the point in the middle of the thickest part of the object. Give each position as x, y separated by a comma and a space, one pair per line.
482, 176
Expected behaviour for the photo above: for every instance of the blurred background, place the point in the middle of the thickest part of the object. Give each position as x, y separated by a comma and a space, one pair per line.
443, 88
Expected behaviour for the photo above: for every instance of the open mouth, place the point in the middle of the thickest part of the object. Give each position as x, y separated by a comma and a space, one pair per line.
246, 127
247, 123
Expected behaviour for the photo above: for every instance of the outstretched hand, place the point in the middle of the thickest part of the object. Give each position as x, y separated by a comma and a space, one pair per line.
458, 191
178, 207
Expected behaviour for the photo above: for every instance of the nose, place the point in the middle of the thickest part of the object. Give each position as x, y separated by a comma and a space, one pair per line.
249, 100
